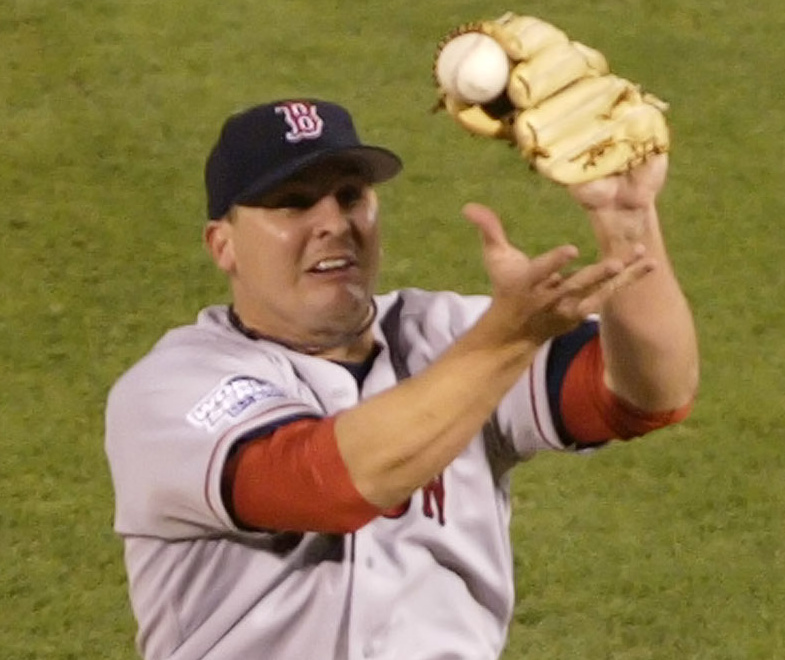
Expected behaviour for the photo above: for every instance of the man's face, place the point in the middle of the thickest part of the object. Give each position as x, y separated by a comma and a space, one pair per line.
303, 259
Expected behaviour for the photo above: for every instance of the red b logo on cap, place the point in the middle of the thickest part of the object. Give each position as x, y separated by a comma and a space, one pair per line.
303, 120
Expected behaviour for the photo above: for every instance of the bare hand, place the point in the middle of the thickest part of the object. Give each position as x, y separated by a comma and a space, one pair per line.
532, 298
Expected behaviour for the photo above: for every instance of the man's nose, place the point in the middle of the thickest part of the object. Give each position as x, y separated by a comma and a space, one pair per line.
331, 216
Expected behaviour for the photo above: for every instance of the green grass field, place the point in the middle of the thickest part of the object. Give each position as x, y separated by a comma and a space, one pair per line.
671, 547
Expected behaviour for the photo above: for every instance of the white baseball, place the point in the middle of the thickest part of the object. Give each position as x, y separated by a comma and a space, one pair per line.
473, 68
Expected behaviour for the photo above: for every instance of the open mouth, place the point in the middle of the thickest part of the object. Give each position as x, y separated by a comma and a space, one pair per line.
332, 264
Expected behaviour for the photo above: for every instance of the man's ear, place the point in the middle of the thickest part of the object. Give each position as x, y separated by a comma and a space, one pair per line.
219, 239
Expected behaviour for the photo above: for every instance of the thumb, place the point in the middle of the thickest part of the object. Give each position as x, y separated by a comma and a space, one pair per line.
489, 224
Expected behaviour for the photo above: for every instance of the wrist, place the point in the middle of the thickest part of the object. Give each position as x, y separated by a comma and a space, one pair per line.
619, 230
499, 332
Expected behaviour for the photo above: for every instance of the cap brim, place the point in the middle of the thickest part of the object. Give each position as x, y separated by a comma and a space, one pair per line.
380, 163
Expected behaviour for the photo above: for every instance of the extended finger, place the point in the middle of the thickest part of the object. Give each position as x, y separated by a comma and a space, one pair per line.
489, 224
553, 280
545, 268
596, 298
591, 277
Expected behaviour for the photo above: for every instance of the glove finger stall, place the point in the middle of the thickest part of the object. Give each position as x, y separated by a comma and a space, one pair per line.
618, 142
552, 70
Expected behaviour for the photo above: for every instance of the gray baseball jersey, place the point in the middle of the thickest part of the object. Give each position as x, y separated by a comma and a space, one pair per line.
433, 582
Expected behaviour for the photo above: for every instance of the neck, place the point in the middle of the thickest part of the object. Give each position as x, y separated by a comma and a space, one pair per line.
352, 347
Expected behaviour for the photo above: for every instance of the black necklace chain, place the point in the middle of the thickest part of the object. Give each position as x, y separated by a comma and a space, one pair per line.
243, 329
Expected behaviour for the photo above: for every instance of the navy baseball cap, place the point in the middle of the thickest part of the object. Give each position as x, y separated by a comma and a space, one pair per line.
263, 146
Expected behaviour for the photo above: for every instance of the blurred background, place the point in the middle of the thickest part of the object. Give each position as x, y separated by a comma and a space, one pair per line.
670, 547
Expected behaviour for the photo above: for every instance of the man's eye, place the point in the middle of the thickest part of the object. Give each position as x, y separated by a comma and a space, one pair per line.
349, 195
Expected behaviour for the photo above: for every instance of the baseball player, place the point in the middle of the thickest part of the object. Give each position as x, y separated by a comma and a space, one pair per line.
318, 471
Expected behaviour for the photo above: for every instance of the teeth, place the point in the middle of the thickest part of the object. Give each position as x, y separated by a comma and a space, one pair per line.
331, 264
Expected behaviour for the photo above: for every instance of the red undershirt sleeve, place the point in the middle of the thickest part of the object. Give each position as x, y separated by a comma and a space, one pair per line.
593, 414
294, 480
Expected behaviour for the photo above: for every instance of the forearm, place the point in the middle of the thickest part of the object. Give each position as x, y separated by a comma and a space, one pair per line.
647, 330
399, 440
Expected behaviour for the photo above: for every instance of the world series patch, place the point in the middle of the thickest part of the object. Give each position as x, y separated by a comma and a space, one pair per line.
230, 398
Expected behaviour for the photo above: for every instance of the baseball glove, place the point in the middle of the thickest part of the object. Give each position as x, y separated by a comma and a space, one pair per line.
567, 114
